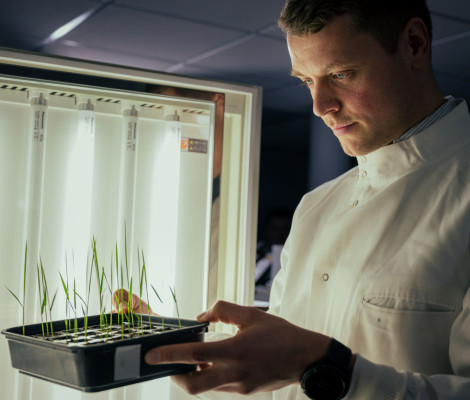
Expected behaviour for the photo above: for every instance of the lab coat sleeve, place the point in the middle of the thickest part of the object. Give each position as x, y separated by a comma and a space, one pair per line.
378, 382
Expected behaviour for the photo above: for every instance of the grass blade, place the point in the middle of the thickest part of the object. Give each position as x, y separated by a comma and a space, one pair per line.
14, 295
176, 304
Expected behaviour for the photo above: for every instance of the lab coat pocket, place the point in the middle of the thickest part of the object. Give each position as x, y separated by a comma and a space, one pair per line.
404, 332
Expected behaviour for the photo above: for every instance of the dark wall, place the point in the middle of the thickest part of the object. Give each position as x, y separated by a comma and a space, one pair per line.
298, 153
284, 162
327, 158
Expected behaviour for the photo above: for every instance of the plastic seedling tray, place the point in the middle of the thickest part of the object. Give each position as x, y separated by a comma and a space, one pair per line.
104, 358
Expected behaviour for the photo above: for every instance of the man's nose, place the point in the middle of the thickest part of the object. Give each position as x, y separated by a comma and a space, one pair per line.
325, 100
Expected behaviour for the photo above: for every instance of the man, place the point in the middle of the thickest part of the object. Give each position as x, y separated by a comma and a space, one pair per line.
377, 259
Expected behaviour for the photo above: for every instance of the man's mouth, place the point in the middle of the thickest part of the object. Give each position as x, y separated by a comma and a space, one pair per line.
342, 129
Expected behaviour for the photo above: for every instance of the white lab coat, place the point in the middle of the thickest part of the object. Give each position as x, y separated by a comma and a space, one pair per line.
379, 258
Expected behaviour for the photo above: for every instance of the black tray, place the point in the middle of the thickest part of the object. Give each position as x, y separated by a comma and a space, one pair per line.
94, 367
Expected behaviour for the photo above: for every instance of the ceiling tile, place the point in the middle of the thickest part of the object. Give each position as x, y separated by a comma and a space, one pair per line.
75, 50
39, 18
218, 75
261, 57
443, 27
240, 14
15, 41
459, 9
137, 32
275, 33
209, 39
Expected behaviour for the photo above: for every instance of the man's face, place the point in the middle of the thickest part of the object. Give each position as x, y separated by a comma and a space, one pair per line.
361, 92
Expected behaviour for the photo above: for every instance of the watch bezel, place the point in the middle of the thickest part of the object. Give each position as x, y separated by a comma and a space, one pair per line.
329, 378
324, 382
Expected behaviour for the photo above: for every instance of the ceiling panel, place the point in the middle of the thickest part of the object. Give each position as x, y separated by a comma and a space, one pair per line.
15, 41
459, 9
40, 18
72, 49
263, 57
444, 27
240, 14
236, 41
148, 34
275, 33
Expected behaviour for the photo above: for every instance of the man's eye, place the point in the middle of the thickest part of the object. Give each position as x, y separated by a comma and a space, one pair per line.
306, 82
341, 76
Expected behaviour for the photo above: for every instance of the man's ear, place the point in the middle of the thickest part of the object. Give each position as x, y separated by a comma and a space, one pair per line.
418, 43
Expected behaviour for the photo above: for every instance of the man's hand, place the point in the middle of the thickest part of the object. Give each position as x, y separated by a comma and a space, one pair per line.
267, 353
122, 303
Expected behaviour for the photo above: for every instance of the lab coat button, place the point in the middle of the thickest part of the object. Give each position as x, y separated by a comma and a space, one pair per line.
355, 203
325, 277
364, 174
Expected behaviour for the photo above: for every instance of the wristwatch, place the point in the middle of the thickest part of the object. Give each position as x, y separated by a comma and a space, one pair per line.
328, 378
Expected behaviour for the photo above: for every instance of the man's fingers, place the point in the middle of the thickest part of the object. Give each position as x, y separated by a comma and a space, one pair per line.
187, 353
121, 302
204, 379
230, 313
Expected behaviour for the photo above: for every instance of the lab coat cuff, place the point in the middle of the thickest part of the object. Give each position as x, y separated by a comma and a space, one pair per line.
371, 381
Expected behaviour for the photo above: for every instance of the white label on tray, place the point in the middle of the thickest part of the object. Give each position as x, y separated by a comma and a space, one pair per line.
127, 362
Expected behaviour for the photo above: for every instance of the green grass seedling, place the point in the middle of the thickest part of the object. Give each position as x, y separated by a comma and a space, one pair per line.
40, 298
117, 281
125, 255
65, 286
47, 301
129, 305
144, 273
99, 279
75, 326
22, 304
110, 287
86, 302
176, 304
141, 287
159, 298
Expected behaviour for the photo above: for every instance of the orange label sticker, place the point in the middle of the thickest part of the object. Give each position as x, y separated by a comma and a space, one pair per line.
184, 144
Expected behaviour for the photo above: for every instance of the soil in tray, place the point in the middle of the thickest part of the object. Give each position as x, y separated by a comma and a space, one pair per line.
107, 334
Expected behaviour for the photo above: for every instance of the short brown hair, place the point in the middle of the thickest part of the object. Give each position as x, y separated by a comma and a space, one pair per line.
383, 19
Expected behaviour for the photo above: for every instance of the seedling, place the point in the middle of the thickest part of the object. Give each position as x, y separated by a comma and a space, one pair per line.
65, 286
40, 298
85, 303
74, 300
143, 281
144, 273
100, 279
22, 303
61, 346
163, 319
47, 302
129, 304
176, 304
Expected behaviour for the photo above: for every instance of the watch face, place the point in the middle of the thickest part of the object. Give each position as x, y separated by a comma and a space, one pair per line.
325, 383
